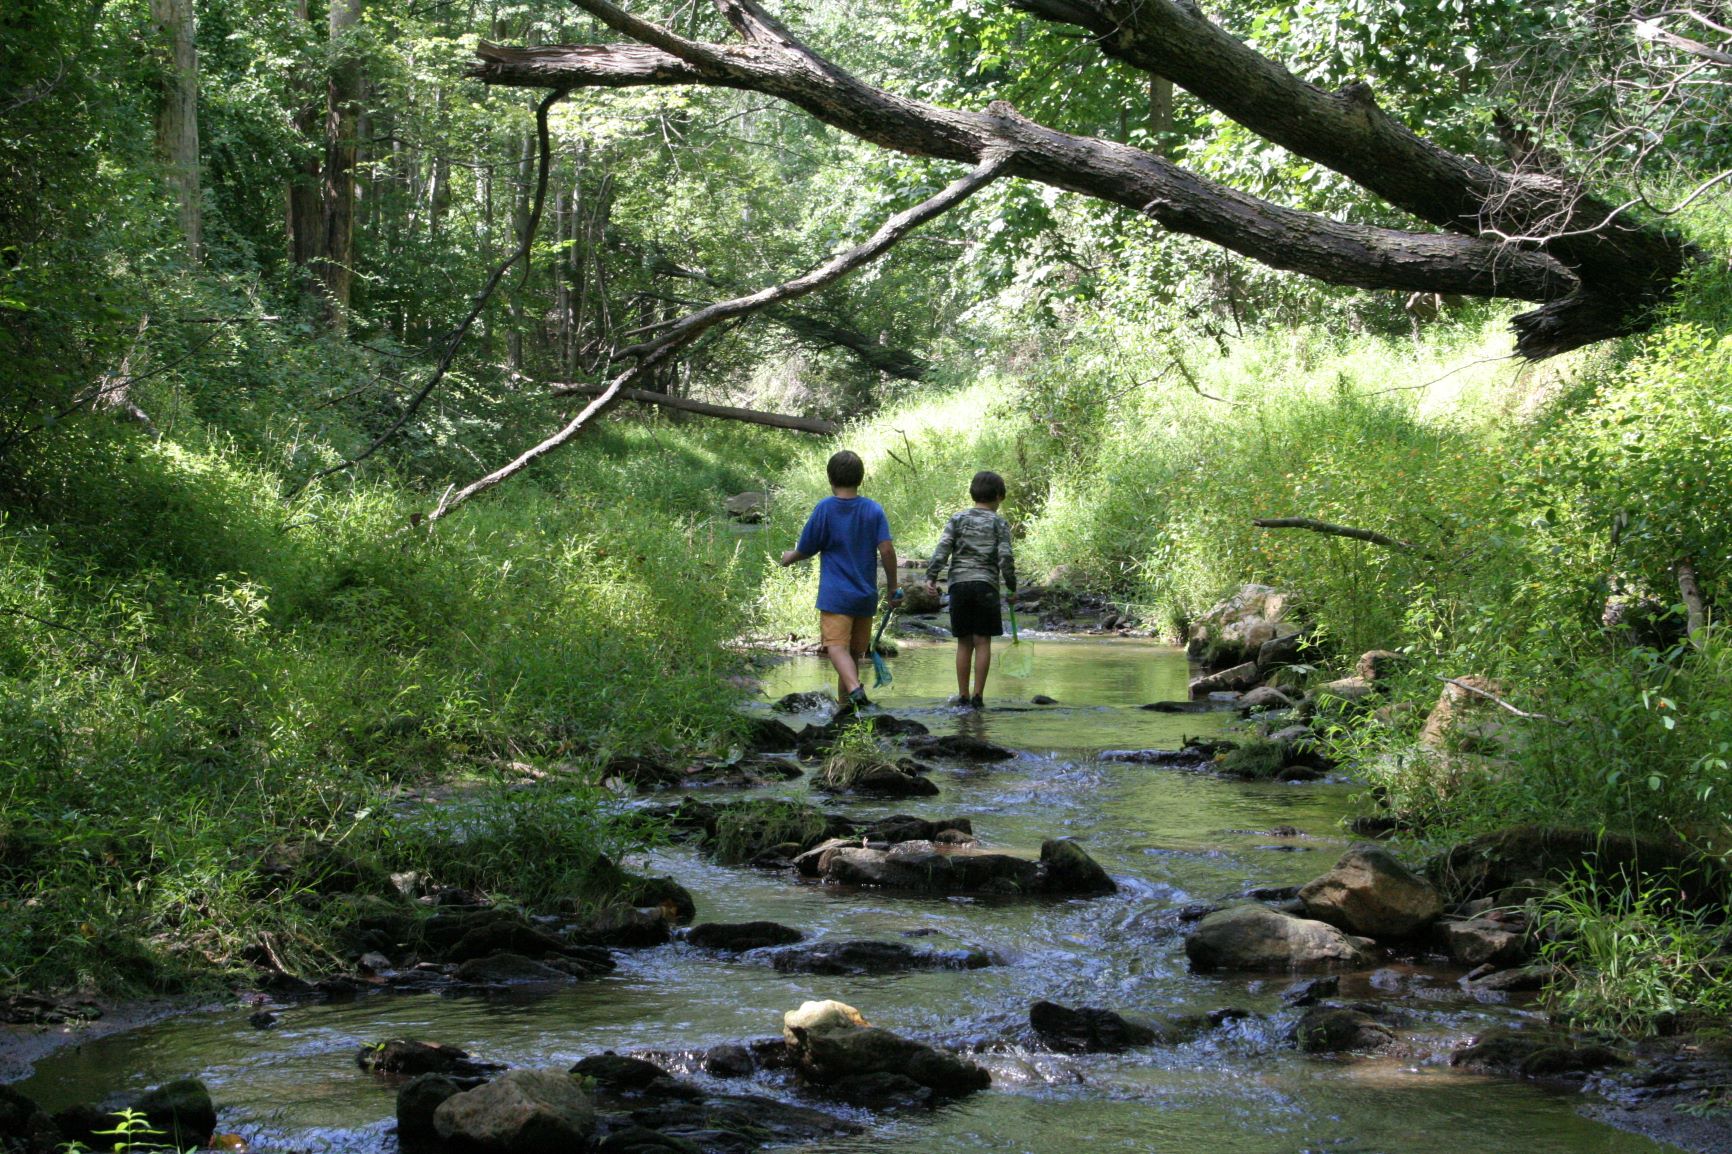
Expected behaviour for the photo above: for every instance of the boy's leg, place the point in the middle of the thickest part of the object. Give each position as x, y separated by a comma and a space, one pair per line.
836, 634
982, 663
860, 645
964, 659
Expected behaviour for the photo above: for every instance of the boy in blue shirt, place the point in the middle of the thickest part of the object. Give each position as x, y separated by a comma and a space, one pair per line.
850, 535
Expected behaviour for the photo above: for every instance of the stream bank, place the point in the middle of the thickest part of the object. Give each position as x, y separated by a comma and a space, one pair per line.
1173, 843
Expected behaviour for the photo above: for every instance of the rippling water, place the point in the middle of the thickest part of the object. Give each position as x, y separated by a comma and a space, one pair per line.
1169, 838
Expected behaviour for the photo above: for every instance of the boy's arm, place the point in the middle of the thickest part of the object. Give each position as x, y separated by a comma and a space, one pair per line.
941, 553
887, 554
807, 546
1007, 559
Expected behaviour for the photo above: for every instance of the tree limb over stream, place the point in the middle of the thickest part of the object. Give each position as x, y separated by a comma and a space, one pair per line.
1315, 526
702, 408
1595, 275
654, 352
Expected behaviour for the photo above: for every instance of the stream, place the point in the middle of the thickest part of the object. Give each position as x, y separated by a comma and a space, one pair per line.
1169, 838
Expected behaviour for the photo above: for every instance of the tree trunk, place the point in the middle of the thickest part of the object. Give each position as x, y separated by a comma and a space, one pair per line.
177, 117
306, 207
342, 108
519, 229
1594, 284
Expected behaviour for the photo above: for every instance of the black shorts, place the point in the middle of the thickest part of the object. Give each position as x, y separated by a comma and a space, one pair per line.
974, 610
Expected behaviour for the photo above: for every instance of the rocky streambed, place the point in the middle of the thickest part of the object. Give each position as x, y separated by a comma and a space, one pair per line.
1029, 1003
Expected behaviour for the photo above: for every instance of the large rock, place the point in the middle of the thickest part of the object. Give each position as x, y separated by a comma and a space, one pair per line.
870, 957
181, 1111
737, 937
418, 1100
1466, 722
832, 1054
25, 1126
1254, 937
960, 747
1229, 680
408, 1057
747, 507
519, 1112
1515, 857
1482, 941
1235, 629
1086, 1028
1066, 869
1535, 1054
880, 779
1262, 698
1328, 1029
930, 867
917, 599
1369, 892
510, 970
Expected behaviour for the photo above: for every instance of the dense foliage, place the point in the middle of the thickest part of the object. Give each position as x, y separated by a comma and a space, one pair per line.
197, 673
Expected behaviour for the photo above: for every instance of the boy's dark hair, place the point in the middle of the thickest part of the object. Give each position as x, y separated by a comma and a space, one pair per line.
986, 486
846, 470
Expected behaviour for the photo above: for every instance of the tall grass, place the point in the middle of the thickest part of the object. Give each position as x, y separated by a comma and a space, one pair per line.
194, 675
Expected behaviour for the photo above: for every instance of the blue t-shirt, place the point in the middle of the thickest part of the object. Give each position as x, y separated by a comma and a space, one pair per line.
844, 535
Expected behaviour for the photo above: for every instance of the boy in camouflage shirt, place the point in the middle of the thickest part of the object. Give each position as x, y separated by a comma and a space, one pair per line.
976, 543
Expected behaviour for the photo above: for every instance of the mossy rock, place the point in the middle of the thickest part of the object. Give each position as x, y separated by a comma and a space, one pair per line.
1494, 862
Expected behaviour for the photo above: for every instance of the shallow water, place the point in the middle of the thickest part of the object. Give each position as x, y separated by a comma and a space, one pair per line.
1169, 838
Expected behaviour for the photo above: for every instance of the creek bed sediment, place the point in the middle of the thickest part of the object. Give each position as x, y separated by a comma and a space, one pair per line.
1170, 839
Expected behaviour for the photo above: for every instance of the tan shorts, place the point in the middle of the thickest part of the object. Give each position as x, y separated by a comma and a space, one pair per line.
841, 629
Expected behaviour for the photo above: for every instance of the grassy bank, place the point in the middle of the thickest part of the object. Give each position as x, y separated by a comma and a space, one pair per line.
208, 697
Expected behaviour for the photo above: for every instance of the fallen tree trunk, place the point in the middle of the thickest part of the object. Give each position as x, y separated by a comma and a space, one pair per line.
1311, 524
1597, 278
1623, 266
727, 412
774, 63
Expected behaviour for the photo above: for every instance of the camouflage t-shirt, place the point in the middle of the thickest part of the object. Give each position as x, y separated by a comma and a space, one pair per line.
976, 542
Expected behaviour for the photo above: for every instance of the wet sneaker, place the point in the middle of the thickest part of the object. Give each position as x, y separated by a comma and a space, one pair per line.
857, 700
977, 702
959, 702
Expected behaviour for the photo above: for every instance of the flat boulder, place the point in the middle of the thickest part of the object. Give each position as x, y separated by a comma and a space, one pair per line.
906, 827
827, 1056
1483, 941
934, 867
1264, 697
1087, 1028
882, 779
870, 957
1235, 678
960, 747
1256, 938
1331, 1029
519, 1112
409, 1057
737, 937
510, 970
1369, 892
748, 506
1535, 1054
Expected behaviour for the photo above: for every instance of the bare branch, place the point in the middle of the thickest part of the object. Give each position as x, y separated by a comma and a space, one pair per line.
1495, 699
476, 306
1315, 526
690, 327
